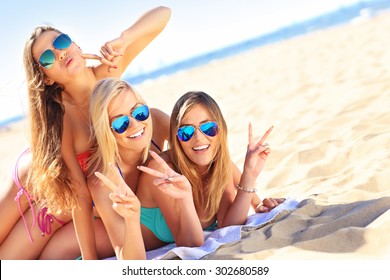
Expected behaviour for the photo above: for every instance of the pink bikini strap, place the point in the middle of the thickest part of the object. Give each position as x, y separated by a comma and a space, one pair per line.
21, 192
45, 220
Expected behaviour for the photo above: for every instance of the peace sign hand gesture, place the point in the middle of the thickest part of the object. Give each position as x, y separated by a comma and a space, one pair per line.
257, 154
112, 63
125, 202
170, 182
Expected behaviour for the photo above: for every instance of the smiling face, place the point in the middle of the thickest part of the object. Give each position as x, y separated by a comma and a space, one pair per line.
138, 135
67, 63
200, 149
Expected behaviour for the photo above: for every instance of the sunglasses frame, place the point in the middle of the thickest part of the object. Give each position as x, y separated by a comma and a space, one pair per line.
128, 119
216, 127
48, 66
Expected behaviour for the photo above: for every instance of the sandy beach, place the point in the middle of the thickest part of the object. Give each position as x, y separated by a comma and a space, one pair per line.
328, 95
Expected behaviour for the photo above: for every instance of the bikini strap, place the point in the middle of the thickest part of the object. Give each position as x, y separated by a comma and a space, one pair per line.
158, 148
21, 192
45, 220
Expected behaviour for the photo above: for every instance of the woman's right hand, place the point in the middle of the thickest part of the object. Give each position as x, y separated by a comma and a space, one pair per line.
103, 59
124, 201
169, 181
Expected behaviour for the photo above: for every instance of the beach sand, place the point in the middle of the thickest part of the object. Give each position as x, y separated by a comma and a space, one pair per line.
328, 95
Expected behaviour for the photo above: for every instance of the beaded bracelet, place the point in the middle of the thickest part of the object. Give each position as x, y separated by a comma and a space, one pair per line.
245, 189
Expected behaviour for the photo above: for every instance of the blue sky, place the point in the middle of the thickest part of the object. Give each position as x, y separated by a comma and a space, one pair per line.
196, 27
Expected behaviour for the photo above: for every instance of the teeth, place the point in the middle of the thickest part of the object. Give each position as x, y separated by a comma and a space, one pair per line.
201, 147
138, 134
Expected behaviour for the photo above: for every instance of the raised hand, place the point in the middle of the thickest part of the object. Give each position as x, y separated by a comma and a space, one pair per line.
257, 154
169, 181
125, 202
112, 52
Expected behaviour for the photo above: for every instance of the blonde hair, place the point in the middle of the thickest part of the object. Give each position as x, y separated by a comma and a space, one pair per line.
105, 145
47, 177
207, 189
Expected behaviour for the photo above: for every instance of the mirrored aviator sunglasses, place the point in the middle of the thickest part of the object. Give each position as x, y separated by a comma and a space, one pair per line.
47, 58
120, 125
185, 133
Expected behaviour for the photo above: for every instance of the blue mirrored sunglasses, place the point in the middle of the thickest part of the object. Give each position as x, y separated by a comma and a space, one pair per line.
185, 132
119, 125
47, 58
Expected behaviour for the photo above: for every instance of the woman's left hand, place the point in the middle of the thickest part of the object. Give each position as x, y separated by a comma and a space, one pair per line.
169, 181
257, 154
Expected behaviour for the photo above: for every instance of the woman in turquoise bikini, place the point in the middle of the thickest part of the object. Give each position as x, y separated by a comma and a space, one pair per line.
177, 211
53, 178
126, 130
201, 163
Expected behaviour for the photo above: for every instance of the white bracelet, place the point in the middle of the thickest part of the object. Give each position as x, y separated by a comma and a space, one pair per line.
245, 189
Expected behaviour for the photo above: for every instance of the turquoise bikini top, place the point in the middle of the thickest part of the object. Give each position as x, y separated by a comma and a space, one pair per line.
154, 220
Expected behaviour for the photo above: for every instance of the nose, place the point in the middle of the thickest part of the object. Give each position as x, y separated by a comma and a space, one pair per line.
61, 54
198, 134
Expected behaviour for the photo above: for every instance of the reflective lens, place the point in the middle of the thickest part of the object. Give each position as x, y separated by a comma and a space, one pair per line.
62, 42
120, 124
141, 113
47, 58
185, 133
210, 128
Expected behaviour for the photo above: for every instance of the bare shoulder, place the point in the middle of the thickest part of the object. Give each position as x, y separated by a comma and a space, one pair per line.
102, 71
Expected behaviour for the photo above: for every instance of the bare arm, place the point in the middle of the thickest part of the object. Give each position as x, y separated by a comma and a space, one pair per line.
257, 154
173, 195
236, 180
120, 52
82, 216
124, 230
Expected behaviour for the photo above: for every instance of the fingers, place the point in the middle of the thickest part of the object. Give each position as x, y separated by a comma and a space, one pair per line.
262, 209
161, 162
124, 201
122, 198
268, 132
90, 56
270, 202
117, 173
151, 171
110, 56
250, 134
120, 187
108, 51
106, 181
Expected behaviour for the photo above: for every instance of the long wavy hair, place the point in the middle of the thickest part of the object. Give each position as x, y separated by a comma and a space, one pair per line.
47, 177
105, 146
207, 188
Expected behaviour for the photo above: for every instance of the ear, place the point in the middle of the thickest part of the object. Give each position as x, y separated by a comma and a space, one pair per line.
49, 82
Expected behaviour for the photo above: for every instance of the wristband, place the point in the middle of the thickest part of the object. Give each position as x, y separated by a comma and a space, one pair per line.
245, 189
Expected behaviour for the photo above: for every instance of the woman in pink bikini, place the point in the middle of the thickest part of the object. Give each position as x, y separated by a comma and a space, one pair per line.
49, 179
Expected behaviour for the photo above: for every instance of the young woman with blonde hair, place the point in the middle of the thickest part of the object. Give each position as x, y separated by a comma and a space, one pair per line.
52, 173
125, 130
199, 152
